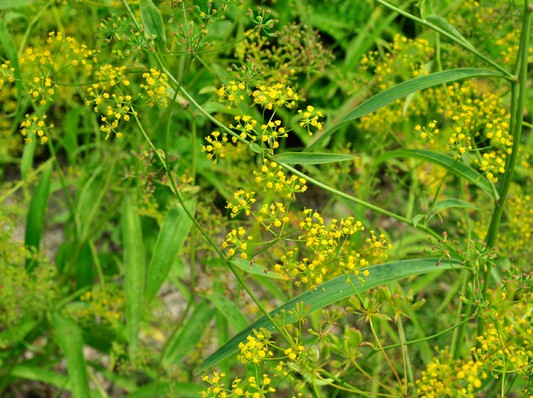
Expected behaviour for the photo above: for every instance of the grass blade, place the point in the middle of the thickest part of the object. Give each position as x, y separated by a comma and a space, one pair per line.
35, 218
329, 293
174, 230
69, 339
402, 90
9, 48
453, 165
185, 338
311, 157
134, 270
40, 374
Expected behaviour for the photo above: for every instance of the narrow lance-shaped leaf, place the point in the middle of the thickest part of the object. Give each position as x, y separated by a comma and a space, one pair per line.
185, 338
69, 338
134, 270
440, 22
311, 157
329, 293
455, 166
36, 212
402, 90
174, 230
153, 22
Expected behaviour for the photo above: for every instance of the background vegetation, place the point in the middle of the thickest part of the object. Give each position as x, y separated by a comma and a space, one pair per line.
271, 198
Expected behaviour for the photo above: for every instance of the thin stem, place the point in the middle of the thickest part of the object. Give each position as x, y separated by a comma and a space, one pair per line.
518, 97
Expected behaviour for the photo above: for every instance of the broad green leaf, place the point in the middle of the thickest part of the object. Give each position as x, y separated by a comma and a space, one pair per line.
455, 166
174, 230
69, 339
254, 268
402, 90
134, 270
35, 218
153, 22
229, 310
441, 23
329, 293
185, 338
311, 157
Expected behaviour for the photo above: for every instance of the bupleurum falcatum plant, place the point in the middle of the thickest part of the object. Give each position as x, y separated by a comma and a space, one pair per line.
211, 198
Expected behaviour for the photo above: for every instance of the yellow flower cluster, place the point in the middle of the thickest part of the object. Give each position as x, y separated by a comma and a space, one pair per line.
215, 146
232, 94
237, 241
35, 126
256, 349
104, 304
272, 177
273, 215
325, 242
243, 201
310, 117
507, 349
275, 96
516, 241
155, 88
445, 377
251, 387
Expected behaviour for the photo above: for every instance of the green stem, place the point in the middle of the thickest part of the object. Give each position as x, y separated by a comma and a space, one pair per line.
518, 97
466, 45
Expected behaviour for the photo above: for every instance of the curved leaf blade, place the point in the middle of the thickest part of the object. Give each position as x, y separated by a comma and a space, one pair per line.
134, 272
453, 165
69, 338
329, 293
402, 90
312, 157
35, 218
153, 22
174, 230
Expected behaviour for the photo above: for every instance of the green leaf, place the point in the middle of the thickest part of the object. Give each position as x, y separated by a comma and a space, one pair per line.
254, 268
311, 157
69, 339
402, 90
7, 4
453, 203
174, 230
134, 270
184, 339
453, 165
229, 310
329, 293
439, 22
36, 212
153, 22
40, 374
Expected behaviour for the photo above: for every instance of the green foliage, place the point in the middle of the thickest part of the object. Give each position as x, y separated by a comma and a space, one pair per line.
304, 199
